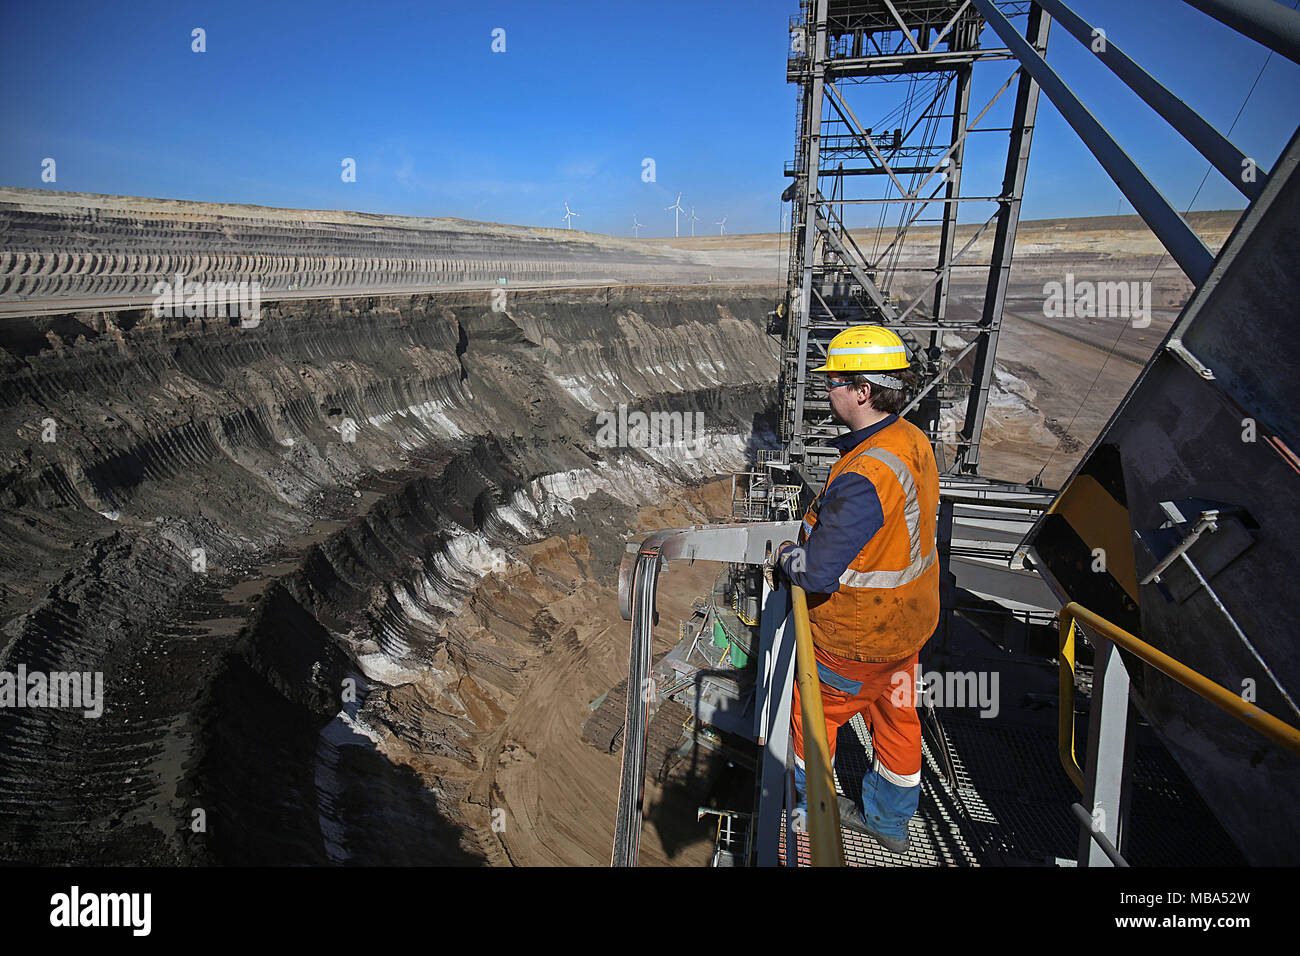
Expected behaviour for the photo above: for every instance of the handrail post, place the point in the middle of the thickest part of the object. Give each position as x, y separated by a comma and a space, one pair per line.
1109, 743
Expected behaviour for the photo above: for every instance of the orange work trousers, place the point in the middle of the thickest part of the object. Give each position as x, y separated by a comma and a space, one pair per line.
884, 694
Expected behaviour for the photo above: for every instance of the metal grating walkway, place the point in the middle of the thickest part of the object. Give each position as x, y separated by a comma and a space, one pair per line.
941, 833
1011, 805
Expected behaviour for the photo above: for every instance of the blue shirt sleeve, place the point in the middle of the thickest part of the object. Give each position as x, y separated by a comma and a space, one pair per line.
850, 516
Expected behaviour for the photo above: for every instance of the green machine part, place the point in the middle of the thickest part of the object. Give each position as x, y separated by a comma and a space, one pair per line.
719, 635
720, 639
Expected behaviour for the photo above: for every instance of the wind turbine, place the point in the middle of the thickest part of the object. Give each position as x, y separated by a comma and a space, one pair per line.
636, 227
694, 220
567, 213
677, 204
722, 225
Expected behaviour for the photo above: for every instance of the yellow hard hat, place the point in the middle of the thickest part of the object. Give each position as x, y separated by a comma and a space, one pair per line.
865, 348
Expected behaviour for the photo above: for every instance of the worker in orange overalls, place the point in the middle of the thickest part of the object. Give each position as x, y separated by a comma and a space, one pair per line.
868, 560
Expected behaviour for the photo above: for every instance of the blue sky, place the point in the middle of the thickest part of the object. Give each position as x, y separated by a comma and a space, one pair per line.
439, 125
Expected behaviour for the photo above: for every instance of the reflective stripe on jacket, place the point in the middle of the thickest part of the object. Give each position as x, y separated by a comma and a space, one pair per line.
887, 603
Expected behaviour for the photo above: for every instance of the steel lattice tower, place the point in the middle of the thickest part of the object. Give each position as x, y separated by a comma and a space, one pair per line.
913, 61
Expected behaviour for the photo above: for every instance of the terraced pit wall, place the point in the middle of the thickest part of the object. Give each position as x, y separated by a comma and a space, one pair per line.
320, 563
80, 245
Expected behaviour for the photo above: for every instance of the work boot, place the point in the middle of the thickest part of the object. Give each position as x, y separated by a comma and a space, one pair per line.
851, 817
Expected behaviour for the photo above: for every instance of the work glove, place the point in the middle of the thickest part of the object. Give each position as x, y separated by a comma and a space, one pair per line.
772, 572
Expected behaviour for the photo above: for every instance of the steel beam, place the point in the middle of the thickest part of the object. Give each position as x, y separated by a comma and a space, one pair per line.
928, 62
942, 272
1184, 245
749, 543
948, 231
902, 26
1266, 22
912, 199
1109, 750
1013, 188
1213, 145
855, 267
809, 198
851, 121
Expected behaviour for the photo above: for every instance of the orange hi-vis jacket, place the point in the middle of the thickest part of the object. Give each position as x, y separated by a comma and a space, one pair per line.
887, 603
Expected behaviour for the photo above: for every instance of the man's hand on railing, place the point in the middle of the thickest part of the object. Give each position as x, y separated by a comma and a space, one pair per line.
772, 572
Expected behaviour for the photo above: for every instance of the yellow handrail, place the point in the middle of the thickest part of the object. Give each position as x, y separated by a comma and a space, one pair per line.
1276, 730
1065, 708
823, 806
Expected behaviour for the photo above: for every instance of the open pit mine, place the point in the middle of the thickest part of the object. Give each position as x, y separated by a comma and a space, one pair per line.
345, 568
347, 572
